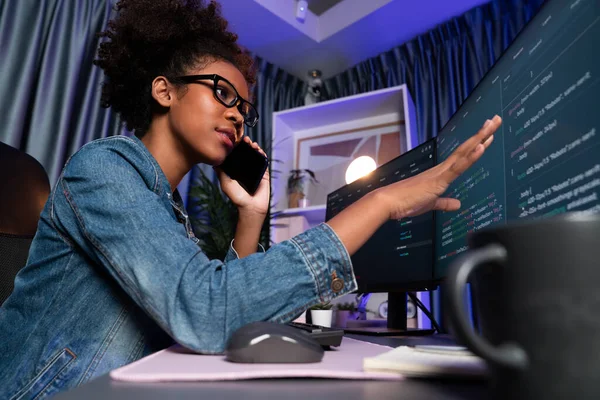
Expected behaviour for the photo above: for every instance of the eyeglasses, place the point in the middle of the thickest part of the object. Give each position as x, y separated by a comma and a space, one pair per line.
226, 94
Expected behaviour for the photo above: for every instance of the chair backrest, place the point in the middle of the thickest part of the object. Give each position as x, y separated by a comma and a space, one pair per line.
24, 189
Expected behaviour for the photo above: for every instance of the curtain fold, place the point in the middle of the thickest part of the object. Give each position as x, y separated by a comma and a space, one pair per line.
275, 90
443, 65
49, 89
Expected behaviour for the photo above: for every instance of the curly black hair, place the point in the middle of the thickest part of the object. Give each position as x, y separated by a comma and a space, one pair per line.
149, 38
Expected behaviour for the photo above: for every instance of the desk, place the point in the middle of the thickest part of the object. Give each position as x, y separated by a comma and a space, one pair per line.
301, 389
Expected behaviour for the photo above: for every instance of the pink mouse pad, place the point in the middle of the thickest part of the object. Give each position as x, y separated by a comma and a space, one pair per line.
179, 364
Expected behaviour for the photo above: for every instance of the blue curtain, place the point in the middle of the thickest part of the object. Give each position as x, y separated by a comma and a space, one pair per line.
49, 89
442, 66
275, 90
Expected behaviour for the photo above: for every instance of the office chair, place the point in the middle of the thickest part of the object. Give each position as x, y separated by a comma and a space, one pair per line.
24, 189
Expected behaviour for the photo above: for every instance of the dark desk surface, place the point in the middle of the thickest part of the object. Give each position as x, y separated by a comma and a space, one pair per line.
302, 389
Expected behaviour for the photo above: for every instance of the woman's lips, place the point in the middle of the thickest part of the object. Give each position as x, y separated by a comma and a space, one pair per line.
227, 136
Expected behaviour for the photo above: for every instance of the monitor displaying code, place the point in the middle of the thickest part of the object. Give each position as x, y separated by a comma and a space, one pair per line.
545, 159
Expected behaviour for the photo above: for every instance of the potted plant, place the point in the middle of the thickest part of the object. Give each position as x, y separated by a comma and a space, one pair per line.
296, 185
322, 314
343, 312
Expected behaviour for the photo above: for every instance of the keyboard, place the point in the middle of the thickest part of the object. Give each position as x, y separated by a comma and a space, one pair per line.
326, 337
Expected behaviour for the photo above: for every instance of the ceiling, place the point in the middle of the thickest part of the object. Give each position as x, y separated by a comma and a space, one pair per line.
336, 34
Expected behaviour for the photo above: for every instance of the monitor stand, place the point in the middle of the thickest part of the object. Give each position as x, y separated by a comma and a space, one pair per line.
396, 321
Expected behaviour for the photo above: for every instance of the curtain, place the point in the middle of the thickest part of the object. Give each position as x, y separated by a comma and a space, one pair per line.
49, 89
275, 90
442, 66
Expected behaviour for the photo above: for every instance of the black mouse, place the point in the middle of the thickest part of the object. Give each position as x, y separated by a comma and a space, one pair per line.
270, 342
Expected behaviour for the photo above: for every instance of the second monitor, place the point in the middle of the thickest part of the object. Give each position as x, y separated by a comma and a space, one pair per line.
399, 256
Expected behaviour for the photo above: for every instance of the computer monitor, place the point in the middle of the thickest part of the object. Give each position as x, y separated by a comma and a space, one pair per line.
399, 256
545, 159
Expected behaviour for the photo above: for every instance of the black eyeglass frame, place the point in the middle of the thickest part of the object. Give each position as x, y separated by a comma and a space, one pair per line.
238, 101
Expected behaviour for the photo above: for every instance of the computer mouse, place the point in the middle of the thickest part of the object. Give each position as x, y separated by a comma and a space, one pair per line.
270, 342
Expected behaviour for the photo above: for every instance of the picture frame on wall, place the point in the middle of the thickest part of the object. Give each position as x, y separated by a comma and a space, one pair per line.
329, 154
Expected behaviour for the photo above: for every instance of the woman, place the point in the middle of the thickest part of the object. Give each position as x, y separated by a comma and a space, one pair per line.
115, 273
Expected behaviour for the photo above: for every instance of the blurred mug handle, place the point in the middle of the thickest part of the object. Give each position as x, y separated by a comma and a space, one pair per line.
507, 354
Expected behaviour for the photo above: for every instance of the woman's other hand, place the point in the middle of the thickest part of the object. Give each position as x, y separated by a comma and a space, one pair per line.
247, 204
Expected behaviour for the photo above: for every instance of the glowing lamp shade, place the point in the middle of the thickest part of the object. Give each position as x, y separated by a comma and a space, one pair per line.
360, 167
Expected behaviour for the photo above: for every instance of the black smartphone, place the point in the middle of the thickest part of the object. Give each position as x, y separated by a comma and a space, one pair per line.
246, 165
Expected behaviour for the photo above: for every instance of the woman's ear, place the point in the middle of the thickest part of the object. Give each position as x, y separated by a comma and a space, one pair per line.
162, 91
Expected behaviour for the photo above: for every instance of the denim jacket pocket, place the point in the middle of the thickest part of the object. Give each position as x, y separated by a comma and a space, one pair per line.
47, 381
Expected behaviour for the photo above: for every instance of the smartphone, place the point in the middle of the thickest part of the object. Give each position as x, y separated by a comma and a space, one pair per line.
246, 165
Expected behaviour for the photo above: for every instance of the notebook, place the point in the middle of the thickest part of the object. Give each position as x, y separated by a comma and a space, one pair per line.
428, 361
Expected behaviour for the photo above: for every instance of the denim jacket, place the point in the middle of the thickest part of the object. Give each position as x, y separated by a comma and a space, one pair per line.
115, 273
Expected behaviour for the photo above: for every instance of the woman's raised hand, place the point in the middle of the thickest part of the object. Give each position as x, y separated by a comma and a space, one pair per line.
412, 196
422, 193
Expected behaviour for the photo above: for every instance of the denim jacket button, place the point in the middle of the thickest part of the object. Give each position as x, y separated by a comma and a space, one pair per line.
337, 284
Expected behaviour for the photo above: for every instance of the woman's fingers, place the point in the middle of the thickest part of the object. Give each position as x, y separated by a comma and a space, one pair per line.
470, 151
487, 130
446, 204
488, 141
255, 145
221, 174
461, 164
